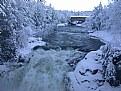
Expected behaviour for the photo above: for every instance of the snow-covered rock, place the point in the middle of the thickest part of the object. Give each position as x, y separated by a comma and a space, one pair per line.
88, 75
32, 43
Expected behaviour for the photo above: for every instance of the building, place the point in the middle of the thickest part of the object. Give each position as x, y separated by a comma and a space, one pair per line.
78, 19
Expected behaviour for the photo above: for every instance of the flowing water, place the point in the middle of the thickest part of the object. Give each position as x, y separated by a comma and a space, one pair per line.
74, 37
46, 70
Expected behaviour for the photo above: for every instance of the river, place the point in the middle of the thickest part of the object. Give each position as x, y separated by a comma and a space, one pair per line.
47, 69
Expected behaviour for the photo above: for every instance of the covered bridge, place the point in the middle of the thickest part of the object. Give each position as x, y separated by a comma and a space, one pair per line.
78, 18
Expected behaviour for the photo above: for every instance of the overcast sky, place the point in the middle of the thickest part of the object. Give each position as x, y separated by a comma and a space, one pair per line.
77, 5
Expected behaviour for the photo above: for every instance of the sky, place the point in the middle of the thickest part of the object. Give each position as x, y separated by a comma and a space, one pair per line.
76, 5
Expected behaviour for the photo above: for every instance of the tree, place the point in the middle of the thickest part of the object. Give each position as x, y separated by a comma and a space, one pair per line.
8, 49
114, 20
94, 21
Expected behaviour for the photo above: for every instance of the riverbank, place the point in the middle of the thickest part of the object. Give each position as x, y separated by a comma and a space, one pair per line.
107, 37
89, 72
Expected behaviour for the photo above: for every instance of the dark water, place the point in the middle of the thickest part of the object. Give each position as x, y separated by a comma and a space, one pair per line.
72, 37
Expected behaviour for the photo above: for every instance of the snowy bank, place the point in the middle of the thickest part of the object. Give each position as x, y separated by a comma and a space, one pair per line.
107, 37
31, 44
88, 75
103, 35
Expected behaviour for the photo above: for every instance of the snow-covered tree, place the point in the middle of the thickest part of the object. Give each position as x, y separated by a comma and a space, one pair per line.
8, 49
94, 21
114, 23
115, 16
111, 64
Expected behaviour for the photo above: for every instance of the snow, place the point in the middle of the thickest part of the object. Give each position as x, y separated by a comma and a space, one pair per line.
79, 16
35, 41
24, 51
46, 69
79, 25
107, 37
62, 24
89, 62
32, 43
103, 35
82, 78
3, 68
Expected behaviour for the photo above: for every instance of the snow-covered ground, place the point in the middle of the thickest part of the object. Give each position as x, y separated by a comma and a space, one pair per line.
103, 35
107, 37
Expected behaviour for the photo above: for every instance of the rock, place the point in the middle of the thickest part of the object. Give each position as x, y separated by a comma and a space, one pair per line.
87, 74
74, 59
49, 47
94, 72
116, 59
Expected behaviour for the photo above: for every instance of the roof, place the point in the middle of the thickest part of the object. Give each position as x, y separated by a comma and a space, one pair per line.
79, 16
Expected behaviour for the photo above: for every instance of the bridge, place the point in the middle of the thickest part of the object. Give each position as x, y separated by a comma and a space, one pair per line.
78, 19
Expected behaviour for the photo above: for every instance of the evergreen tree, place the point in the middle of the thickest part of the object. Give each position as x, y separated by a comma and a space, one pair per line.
94, 22
8, 49
115, 20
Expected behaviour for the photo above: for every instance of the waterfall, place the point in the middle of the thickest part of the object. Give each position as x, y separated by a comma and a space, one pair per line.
44, 72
